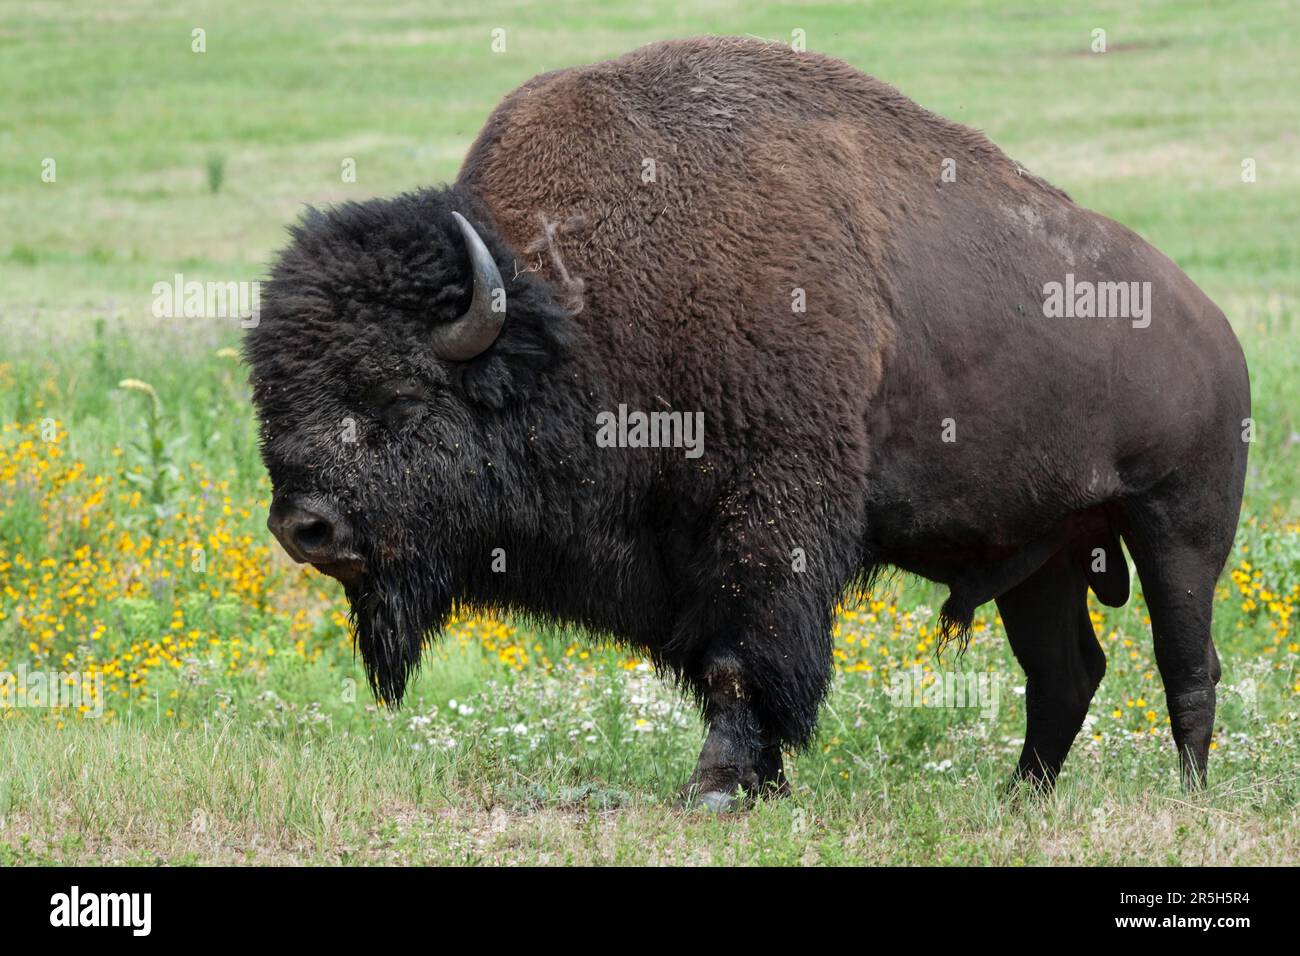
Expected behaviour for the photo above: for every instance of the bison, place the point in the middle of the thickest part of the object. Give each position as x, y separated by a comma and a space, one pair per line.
904, 349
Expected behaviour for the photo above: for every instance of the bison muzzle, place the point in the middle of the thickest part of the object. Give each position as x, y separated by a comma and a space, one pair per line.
906, 351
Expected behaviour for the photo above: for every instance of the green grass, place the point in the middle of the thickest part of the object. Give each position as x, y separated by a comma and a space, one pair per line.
170, 161
145, 794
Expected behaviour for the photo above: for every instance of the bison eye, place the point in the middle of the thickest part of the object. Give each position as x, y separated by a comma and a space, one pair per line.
397, 393
398, 398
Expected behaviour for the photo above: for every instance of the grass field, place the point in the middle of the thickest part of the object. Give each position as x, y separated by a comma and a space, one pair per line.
231, 721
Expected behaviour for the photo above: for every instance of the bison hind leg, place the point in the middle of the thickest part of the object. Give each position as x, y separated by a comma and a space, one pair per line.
1180, 538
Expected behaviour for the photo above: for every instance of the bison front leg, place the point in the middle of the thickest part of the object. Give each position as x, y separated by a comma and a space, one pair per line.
740, 760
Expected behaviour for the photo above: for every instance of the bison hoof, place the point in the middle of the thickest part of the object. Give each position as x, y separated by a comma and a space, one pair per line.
729, 801
715, 801
724, 798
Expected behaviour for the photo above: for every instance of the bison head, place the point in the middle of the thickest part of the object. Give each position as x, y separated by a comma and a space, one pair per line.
392, 368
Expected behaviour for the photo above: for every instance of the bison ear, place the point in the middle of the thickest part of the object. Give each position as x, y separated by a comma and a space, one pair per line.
473, 333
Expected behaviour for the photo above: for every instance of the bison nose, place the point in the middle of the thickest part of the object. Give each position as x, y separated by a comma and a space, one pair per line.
311, 532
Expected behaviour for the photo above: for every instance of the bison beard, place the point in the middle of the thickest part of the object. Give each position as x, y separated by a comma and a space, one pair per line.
395, 610
826, 457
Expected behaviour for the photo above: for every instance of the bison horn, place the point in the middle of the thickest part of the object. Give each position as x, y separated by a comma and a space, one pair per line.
472, 333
